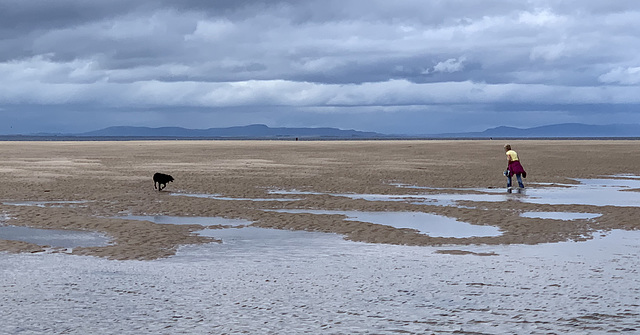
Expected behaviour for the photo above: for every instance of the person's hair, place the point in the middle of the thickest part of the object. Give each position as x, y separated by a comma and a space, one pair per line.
507, 146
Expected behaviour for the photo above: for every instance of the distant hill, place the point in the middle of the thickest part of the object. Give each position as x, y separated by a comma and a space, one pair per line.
568, 130
565, 130
251, 131
259, 131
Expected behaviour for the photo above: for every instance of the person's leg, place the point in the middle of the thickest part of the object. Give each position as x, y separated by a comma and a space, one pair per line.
519, 178
508, 181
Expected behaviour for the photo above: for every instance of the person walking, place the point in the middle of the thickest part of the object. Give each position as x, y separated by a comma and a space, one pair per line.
513, 167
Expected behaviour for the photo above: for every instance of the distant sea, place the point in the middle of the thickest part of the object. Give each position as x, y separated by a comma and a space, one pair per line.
169, 138
64, 138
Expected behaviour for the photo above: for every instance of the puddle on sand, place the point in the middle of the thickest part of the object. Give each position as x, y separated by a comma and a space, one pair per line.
426, 199
294, 192
591, 192
58, 238
428, 224
271, 240
627, 176
431, 199
186, 220
566, 216
43, 203
220, 197
263, 281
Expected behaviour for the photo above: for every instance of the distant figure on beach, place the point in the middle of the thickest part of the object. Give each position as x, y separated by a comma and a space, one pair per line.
513, 167
161, 179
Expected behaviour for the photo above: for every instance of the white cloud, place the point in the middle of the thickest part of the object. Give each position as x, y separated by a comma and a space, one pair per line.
540, 17
620, 75
450, 65
153, 93
43, 69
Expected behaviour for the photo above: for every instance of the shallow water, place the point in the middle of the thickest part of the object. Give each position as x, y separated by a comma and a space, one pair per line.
630, 176
43, 203
595, 192
566, 216
262, 281
428, 224
58, 238
221, 197
187, 220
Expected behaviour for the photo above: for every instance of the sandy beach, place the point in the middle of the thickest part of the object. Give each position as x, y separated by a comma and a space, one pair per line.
91, 186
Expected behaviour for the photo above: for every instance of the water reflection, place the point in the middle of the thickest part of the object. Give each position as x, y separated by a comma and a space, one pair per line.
54, 237
429, 224
43, 203
593, 192
263, 281
187, 220
566, 216
275, 241
620, 192
221, 197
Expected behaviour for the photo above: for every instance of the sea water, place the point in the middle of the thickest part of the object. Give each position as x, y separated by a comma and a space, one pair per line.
262, 281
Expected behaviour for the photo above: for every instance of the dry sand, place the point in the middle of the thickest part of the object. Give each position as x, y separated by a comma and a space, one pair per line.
114, 178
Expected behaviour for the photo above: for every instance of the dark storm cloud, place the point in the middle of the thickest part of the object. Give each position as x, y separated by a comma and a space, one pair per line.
287, 61
25, 17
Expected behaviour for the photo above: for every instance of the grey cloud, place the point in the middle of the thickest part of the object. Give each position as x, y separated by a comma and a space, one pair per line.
318, 54
20, 17
129, 40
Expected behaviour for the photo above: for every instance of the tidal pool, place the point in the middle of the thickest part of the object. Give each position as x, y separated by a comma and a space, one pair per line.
595, 192
441, 199
220, 197
566, 216
186, 220
42, 203
58, 238
272, 241
629, 176
428, 224
265, 281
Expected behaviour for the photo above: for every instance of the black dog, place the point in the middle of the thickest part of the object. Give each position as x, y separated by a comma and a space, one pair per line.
161, 179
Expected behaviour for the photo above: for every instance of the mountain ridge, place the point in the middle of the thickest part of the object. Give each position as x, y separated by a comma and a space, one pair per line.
561, 130
260, 131
249, 131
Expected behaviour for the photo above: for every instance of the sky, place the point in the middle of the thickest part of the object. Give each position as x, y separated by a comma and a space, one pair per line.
394, 67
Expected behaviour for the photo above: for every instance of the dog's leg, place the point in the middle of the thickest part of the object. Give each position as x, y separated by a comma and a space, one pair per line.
162, 186
154, 185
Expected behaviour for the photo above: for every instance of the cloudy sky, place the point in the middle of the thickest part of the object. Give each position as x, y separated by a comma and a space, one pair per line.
396, 67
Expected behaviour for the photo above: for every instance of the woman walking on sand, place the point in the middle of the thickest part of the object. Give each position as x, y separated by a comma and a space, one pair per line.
514, 167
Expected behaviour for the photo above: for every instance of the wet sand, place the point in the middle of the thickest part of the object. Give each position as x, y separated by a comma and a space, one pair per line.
103, 180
